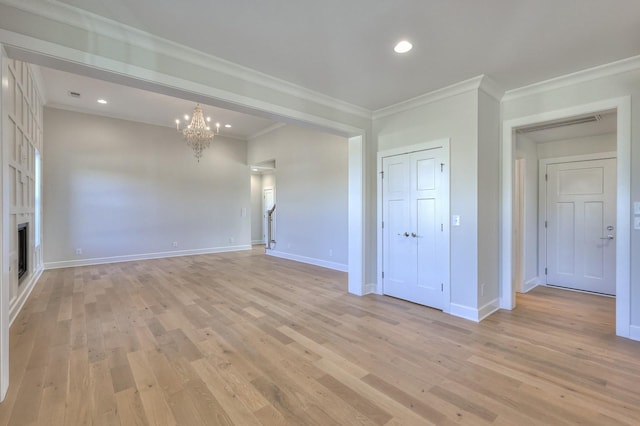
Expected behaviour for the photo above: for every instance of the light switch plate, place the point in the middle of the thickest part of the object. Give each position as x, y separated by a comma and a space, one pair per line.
636, 207
636, 223
455, 220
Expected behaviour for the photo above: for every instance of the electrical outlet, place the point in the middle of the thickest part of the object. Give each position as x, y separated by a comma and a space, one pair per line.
243, 212
636, 207
232, 240
78, 251
636, 223
174, 244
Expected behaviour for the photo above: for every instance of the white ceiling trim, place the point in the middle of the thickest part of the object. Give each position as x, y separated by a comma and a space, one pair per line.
446, 92
606, 70
87, 21
491, 88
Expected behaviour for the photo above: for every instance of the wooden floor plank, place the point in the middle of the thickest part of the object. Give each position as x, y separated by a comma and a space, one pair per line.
247, 339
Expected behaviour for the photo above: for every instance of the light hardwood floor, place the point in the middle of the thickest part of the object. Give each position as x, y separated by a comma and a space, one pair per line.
243, 338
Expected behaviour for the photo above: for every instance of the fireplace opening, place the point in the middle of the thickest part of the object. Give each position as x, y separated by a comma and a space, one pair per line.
23, 244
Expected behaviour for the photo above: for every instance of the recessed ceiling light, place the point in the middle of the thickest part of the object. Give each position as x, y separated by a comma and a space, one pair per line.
228, 126
102, 101
403, 47
255, 170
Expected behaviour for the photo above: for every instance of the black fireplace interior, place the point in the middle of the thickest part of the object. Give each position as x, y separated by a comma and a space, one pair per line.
23, 243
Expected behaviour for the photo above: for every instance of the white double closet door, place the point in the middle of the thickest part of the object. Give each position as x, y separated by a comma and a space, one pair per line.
415, 194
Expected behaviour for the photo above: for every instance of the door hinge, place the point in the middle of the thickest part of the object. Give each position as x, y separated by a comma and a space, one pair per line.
441, 286
383, 224
545, 271
382, 274
441, 167
545, 223
546, 177
381, 175
442, 227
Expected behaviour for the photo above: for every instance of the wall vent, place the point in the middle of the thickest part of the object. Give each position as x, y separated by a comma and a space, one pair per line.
73, 94
562, 123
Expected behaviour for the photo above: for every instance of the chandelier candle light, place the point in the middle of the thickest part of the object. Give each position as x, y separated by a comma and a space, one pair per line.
198, 134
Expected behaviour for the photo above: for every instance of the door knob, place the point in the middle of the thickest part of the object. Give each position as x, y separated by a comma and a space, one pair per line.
413, 234
608, 237
406, 234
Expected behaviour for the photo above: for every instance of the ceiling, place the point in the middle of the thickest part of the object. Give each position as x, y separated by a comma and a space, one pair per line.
343, 49
139, 105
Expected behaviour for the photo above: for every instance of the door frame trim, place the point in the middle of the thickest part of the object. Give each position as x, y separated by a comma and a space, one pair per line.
542, 200
434, 144
622, 105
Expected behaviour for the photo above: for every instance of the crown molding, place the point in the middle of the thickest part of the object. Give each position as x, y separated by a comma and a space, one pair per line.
436, 95
74, 17
491, 87
600, 71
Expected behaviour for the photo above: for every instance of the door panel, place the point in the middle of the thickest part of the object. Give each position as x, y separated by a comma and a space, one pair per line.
581, 210
565, 239
396, 218
428, 233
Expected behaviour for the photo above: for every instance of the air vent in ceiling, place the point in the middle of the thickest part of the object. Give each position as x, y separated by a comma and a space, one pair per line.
73, 94
563, 123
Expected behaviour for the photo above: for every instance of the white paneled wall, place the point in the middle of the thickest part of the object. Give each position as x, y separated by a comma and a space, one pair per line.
23, 136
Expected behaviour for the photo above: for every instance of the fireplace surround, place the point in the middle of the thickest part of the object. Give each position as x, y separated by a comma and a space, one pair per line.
23, 251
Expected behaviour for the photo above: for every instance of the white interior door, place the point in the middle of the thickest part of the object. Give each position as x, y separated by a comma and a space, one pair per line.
267, 204
581, 225
415, 249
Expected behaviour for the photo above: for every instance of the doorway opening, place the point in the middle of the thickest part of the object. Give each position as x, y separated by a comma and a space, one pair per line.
517, 246
263, 187
565, 204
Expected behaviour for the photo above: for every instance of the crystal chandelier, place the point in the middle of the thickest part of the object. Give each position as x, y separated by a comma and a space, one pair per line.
198, 134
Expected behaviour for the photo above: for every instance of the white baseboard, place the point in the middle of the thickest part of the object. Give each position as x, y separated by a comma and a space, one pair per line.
530, 284
634, 332
473, 314
488, 309
257, 242
144, 256
463, 311
370, 288
27, 287
310, 260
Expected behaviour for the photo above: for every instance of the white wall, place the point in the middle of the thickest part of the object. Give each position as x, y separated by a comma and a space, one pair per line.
456, 118
120, 190
488, 203
256, 209
528, 150
311, 194
577, 146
